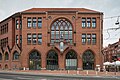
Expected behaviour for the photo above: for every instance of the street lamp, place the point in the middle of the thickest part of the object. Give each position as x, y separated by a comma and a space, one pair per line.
117, 21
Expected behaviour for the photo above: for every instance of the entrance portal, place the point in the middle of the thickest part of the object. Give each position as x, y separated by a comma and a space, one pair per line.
34, 61
71, 60
88, 60
52, 60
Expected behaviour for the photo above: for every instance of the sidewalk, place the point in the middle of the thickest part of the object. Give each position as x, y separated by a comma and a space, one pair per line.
62, 72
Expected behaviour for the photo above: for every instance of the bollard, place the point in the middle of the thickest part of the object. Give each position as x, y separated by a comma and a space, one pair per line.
68, 71
87, 72
96, 72
106, 72
23, 68
77, 72
60, 71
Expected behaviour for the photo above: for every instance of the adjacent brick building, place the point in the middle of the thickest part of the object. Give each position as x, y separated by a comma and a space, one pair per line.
112, 52
52, 38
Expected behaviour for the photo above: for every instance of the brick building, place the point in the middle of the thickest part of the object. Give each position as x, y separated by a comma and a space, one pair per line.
52, 38
112, 52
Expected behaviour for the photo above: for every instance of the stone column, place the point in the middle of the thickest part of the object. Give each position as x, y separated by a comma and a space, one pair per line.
79, 58
43, 62
61, 61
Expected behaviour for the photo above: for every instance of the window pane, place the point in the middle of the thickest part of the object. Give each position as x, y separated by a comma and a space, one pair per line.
93, 22
39, 22
70, 27
20, 39
70, 34
39, 38
66, 27
57, 40
83, 22
52, 41
52, 28
52, 34
16, 39
34, 38
83, 38
20, 24
29, 38
88, 22
57, 28
17, 24
66, 35
34, 23
16, 56
61, 27
61, 34
29, 24
88, 38
93, 38
57, 34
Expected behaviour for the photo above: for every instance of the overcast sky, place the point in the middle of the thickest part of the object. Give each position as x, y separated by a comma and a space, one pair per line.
110, 8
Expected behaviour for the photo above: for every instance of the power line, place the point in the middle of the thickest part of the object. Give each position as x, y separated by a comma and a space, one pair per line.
111, 17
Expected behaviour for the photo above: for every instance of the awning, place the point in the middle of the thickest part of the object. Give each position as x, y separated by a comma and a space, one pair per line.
117, 63
106, 63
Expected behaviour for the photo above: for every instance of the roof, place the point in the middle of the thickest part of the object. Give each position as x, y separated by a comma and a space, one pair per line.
14, 15
61, 9
43, 10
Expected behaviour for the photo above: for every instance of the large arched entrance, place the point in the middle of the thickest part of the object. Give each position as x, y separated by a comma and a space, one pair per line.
52, 60
71, 60
34, 60
88, 60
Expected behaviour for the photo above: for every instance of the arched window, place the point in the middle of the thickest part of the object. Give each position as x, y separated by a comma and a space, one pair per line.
61, 29
6, 56
52, 60
88, 60
0, 56
34, 60
71, 60
15, 55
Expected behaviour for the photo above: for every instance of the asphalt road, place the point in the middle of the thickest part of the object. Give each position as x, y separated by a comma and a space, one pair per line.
24, 76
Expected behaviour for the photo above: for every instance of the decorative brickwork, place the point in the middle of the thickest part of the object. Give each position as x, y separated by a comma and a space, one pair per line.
52, 38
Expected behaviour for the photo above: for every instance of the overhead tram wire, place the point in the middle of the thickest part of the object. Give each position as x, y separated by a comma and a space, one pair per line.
117, 23
111, 17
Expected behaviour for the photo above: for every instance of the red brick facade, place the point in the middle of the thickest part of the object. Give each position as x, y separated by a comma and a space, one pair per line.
112, 52
87, 37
